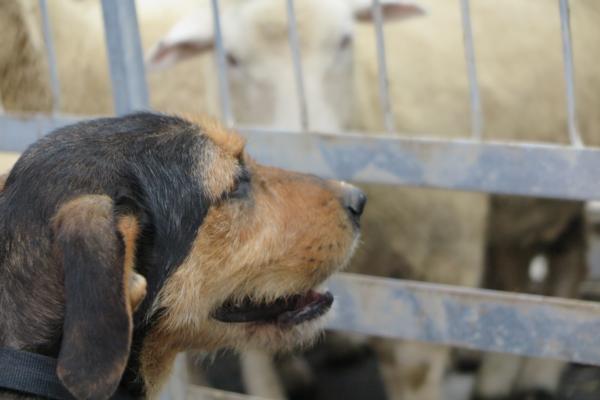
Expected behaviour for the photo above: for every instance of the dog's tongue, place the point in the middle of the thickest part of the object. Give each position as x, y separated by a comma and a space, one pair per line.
286, 311
308, 307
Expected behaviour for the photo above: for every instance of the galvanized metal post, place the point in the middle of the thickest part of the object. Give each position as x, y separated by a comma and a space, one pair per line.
226, 112
297, 60
565, 24
50, 53
476, 112
384, 84
125, 56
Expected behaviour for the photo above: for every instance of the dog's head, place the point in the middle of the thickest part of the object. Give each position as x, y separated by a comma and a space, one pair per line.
168, 232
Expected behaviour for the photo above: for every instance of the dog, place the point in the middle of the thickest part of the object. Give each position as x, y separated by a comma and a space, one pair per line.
127, 240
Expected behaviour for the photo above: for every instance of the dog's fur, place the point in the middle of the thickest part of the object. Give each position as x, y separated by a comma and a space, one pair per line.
120, 237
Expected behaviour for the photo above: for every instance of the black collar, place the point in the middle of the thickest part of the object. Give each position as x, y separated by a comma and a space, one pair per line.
35, 374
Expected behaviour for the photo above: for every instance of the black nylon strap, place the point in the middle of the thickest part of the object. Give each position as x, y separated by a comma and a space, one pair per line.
31, 373
35, 374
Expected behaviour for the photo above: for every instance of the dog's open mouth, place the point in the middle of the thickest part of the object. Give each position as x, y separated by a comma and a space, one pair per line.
285, 311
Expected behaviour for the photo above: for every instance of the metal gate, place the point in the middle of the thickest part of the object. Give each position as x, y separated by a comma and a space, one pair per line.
473, 318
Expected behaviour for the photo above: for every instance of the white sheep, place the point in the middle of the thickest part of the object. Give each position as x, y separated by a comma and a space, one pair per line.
520, 68
24, 81
258, 57
78, 33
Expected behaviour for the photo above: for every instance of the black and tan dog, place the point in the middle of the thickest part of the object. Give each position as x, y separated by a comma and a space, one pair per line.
127, 240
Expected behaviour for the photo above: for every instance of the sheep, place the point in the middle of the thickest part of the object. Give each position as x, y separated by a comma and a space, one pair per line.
78, 34
24, 83
259, 60
519, 60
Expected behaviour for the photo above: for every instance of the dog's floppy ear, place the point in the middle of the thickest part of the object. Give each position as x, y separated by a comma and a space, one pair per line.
95, 248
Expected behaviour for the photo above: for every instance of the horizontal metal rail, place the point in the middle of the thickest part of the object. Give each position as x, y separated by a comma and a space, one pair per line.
200, 392
18, 132
538, 170
527, 325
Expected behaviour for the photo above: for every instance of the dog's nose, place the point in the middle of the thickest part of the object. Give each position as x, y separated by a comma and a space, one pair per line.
354, 200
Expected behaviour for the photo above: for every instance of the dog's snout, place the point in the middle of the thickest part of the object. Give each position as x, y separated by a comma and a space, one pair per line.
354, 200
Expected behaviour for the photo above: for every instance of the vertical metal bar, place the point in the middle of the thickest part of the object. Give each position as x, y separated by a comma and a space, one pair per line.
226, 113
565, 25
125, 56
297, 59
476, 113
51, 55
384, 84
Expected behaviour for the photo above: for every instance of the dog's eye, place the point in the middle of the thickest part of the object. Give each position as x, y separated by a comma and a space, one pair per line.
242, 186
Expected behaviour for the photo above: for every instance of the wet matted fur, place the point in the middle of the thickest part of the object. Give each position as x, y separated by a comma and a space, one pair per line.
127, 240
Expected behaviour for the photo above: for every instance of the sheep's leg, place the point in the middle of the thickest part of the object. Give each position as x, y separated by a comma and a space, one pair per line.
497, 375
539, 376
260, 376
507, 269
567, 261
411, 370
196, 374
297, 376
567, 269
